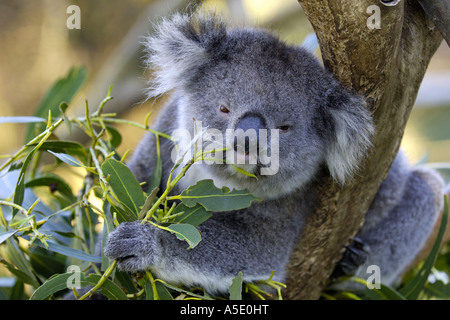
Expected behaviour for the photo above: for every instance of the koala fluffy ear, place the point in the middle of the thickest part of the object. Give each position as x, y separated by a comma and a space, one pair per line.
352, 130
179, 45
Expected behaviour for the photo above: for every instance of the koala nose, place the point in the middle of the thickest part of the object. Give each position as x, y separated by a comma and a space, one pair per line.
245, 137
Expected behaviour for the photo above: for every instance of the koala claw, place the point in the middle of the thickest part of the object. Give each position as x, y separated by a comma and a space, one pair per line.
132, 245
354, 256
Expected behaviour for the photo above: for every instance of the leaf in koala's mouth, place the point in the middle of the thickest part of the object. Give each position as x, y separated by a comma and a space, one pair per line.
246, 173
212, 198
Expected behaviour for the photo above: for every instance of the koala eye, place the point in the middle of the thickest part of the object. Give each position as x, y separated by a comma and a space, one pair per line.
284, 129
224, 109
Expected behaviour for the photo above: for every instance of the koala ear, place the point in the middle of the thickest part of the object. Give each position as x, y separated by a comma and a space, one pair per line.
180, 45
352, 130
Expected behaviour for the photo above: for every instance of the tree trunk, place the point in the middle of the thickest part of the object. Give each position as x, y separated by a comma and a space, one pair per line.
386, 65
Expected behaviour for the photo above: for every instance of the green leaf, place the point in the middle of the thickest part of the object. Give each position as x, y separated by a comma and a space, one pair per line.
19, 191
59, 282
70, 252
22, 120
155, 181
193, 216
114, 136
68, 147
18, 273
55, 183
125, 280
124, 214
235, 289
186, 232
384, 293
413, 288
438, 290
6, 235
109, 288
124, 185
17, 291
52, 285
161, 290
215, 199
62, 91
46, 263
148, 203
70, 160
20, 265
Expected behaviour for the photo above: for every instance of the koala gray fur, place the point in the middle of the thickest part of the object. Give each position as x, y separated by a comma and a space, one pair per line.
254, 74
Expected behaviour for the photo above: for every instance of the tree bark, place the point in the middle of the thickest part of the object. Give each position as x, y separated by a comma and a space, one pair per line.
385, 65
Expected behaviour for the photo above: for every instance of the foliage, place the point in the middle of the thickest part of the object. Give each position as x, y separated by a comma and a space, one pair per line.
48, 227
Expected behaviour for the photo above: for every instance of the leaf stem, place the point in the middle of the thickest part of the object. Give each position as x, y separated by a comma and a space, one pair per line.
102, 280
41, 138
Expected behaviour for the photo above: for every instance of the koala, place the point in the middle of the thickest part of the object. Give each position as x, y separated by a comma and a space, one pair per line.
247, 79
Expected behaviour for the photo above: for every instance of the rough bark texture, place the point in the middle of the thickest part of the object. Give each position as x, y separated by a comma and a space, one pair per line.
385, 65
438, 11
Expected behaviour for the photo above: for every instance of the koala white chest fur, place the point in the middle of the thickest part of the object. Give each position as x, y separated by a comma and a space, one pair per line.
239, 82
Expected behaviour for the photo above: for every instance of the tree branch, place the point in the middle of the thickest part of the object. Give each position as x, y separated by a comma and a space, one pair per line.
385, 65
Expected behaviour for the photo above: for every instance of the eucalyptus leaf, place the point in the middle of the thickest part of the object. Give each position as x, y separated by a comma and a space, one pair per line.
19, 264
62, 146
46, 263
215, 199
124, 185
384, 293
55, 183
155, 181
193, 216
52, 285
70, 252
148, 203
124, 214
60, 282
62, 90
235, 290
187, 233
125, 280
17, 292
115, 138
19, 191
6, 235
161, 290
108, 288
438, 290
70, 160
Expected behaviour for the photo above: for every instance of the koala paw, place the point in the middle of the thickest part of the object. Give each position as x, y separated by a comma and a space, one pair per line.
133, 246
354, 256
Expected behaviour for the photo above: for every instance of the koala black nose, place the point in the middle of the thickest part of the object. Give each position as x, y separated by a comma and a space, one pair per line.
250, 125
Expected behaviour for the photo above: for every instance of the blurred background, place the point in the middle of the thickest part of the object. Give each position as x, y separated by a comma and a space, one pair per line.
37, 48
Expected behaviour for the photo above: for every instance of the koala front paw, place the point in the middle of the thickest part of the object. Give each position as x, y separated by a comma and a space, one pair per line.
133, 246
354, 256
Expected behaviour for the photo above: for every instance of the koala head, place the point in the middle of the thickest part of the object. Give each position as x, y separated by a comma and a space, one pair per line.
230, 79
